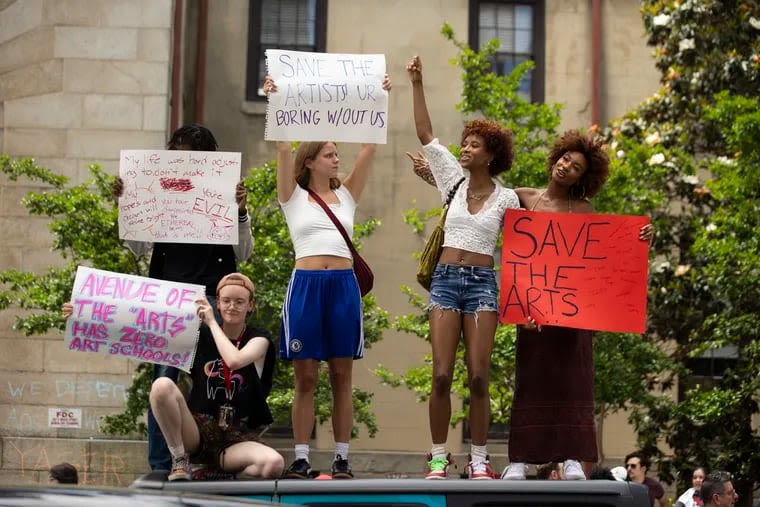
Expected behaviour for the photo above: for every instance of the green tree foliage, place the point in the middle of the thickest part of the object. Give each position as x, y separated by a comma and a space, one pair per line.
622, 360
713, 424
83, 220
692, 149
701, 47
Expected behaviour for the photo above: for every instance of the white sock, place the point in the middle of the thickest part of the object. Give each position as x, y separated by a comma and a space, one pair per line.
478, 453
302, 451
438, 450
177, 452
341, 449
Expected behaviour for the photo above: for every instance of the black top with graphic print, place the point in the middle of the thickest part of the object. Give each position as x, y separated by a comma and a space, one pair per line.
249, 387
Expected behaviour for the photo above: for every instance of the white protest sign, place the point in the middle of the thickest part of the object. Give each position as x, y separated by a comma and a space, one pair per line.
61, 417
175, 196
326, 97
134, 317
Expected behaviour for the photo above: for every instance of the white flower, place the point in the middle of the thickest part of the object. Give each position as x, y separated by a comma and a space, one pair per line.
682, 269
754, 23
656, 159
652, 139
661, 20
685, 45
726, 161
620, 154
662, 267
711, 227
690, 179
613, 146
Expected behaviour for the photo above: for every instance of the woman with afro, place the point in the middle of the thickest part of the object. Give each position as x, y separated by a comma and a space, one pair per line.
553, 405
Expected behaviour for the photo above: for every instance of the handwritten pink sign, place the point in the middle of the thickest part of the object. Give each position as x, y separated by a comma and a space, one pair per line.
179, 196
134, 317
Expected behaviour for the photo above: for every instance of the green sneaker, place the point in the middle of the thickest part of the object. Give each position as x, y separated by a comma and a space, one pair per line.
437, 468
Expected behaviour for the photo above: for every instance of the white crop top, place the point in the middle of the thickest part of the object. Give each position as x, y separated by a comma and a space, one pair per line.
312, 231
476, 233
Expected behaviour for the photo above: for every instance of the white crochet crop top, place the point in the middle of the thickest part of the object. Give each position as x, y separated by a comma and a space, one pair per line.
312, 231
475, 233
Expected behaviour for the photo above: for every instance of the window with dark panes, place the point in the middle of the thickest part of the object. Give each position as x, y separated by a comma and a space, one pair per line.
298, 25
519, 28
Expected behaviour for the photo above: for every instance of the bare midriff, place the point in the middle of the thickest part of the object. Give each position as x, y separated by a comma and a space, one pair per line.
315, 262
464, 258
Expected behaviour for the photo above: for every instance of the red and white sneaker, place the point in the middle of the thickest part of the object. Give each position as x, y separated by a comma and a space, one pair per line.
479, 470
437, 468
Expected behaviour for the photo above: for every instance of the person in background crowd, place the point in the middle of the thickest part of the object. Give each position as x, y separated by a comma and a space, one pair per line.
322, 316
637, 464
549, 471
717, 490
599, 472
691, 497
463, 291
202, 264
64, 473
619, 473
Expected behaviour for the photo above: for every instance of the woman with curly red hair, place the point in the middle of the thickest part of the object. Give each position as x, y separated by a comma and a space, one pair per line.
553, 404
463, 293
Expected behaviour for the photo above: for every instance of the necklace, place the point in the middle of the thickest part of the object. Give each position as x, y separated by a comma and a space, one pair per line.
478, 197
538, 201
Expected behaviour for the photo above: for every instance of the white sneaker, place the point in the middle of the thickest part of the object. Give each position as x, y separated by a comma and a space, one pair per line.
573, 471
514, 472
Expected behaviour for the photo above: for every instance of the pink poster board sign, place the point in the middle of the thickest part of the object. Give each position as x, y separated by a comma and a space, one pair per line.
133, 317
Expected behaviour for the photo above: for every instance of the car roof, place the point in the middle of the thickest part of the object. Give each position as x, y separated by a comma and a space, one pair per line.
75, 496
378, 486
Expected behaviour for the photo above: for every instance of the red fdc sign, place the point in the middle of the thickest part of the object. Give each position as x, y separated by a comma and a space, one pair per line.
584, 271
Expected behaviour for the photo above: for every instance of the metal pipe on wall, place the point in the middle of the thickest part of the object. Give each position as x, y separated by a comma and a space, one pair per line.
175, 102
596, 61
200, 69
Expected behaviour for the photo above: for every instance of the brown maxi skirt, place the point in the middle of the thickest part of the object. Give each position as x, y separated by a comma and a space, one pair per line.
553, 406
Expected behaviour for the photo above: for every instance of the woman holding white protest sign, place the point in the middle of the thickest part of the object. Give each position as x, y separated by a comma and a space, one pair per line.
463, 292
220, 422
322, 312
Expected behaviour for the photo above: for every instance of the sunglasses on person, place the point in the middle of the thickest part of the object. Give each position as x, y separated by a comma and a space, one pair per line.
632, 465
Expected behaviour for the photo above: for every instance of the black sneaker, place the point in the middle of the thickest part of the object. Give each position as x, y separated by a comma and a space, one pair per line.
340, 469
300, 469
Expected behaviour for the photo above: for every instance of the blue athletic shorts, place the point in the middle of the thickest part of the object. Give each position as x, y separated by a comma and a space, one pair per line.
464, 289
322, 316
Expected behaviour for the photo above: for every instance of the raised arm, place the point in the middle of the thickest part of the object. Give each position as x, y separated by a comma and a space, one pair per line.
421, 167
253, 352
357, 178
421, 115
286, 171
244, 247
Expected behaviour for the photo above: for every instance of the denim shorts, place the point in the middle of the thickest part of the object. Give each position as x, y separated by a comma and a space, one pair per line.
464, 289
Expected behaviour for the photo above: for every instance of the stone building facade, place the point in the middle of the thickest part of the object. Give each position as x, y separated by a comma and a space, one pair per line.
82, 79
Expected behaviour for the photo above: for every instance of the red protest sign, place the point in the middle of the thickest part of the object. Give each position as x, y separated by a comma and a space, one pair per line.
583, 271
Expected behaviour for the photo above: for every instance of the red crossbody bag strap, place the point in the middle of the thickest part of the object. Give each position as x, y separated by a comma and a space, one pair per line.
335, 220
